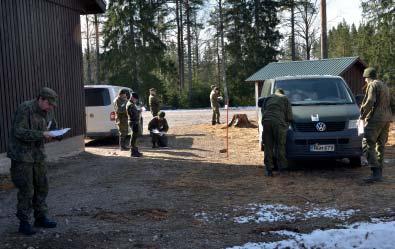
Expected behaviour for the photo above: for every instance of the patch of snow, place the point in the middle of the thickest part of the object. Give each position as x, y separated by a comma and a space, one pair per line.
358, 235
273, 213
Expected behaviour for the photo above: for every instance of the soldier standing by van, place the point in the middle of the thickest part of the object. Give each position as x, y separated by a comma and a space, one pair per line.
376, 113
133, 119
122, 119
214, 100
276, 116
154, 103
32, 121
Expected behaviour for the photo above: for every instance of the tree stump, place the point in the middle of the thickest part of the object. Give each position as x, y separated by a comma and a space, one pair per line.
241, 121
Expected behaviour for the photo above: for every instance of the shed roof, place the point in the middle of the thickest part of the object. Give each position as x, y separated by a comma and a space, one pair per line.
94, 6
335, 66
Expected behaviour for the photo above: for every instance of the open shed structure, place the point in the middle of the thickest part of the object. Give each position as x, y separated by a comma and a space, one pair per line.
349, 68
40, 45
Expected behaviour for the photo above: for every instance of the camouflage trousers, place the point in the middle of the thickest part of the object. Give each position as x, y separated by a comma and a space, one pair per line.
215, 118
32, 184
159, 140
274, 138
373, 143
123, 126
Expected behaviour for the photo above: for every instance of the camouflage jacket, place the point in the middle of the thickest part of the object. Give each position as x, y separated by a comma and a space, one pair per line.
159, 124
154, 103
133, 113
214, 99
277, 108
376, 105
120, 109
26, 140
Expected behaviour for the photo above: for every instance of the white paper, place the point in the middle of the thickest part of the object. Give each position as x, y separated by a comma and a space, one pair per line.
361, 127
315, 117
156, 131
56, 133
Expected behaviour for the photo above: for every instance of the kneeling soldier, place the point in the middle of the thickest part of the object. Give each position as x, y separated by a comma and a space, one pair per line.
158, 127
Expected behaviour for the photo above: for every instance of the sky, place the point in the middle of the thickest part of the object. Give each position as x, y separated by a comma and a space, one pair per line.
337, 10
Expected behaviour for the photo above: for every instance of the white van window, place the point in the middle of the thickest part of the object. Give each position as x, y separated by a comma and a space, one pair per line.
315, 91
97, 97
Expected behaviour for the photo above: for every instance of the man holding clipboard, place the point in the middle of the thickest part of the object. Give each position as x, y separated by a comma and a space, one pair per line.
33, 123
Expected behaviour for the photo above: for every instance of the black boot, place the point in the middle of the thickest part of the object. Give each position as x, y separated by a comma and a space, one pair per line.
375, 177
123, 143
26, 228
45, 222
136, 153
268, 171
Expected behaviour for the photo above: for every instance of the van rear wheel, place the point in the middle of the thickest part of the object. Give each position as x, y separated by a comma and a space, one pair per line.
355, 162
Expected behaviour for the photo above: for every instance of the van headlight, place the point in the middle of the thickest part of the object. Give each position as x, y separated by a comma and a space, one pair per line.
353, 124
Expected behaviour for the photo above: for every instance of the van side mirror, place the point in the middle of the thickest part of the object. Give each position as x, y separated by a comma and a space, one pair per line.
261, 100
359, 99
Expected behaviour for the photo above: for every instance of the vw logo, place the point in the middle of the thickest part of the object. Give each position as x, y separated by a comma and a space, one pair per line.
320, 126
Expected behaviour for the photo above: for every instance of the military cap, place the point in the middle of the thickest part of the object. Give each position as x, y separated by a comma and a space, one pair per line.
279, 90
123, 91
50, 95
161, 114
370, 72
135, 95
152, 89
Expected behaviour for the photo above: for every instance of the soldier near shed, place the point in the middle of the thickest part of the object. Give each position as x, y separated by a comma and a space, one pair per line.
376, 114
134, 123
214, 100
122, 119
158, 126
276, 116
154, 103
30, 128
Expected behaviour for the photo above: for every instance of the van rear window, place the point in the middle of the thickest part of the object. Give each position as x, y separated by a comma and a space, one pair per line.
97, 97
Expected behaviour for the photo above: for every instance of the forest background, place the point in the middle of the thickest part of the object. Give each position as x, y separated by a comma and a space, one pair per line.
175, 46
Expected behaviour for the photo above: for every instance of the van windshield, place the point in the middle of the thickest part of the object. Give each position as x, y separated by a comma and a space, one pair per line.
315, 91
97, 97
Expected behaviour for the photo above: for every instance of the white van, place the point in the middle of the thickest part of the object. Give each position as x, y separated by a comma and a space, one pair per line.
99, 110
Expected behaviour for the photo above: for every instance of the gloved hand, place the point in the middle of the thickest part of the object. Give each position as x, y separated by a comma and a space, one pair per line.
135, 128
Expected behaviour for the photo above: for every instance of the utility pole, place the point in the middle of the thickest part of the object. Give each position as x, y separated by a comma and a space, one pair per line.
88, 52
188, 16
293, 47
97, 49
324, 39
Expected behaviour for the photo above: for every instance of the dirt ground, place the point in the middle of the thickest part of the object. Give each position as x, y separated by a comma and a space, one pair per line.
185, 196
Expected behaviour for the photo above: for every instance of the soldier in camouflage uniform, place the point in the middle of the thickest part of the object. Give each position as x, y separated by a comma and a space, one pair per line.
154, 103
376, 113
159, 124
133, 119
214, 100
276, 116
31, 123
122, 119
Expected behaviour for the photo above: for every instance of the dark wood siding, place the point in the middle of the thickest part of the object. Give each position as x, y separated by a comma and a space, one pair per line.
40, 45
354, 79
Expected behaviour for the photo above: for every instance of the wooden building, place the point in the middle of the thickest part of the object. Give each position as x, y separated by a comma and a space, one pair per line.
40, 45
349, 68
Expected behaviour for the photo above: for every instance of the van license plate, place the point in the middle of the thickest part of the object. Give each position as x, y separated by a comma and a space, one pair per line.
322, 147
